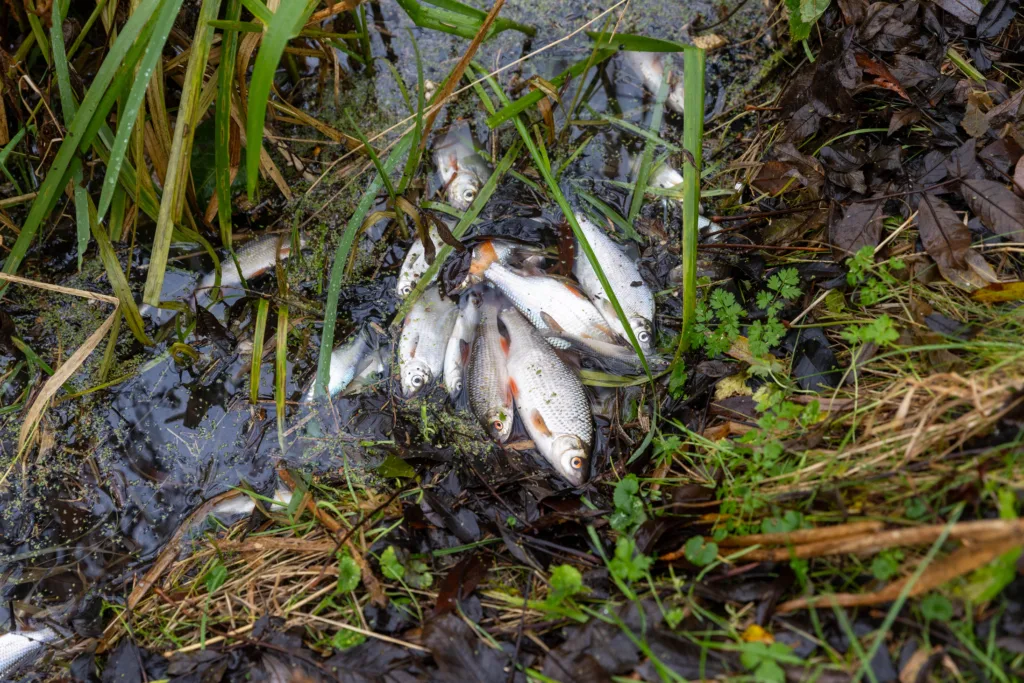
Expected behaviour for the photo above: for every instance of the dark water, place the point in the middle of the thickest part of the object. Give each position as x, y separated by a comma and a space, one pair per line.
128, 463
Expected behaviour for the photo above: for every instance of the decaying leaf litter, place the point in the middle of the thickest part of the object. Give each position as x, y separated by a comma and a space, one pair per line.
845, 420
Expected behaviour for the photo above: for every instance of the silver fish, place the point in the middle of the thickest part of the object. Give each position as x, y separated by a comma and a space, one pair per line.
351, 361
490, 395
20, 648
462, 171
415, 263
560, 310
634, 295
651, 69
456, 354
550, 400
255, 258
423, 341
667, 178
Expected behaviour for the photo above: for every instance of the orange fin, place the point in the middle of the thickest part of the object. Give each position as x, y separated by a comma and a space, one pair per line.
575, 290
504, 345
483, 256
513, 388
464, 348
538, 421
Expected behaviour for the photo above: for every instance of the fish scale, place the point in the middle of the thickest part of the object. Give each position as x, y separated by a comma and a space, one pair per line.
255, 258
549, 398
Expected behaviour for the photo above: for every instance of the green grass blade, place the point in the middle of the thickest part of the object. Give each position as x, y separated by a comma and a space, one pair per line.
153, 53
78, 133
181, 153
610, 213
539, 160
635, 43
456, 18
693, 135
38, 32
259, 334
118, 282
222, 123
6, 152
480, 14
323, 368
646, 160
525, 102
413, 162
284, 25
117, 205
281, 363
259, 10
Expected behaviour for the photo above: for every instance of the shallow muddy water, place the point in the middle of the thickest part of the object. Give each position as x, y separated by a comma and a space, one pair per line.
122, 466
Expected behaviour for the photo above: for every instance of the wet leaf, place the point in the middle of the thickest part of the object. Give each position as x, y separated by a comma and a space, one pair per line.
903, 117
776, 177
1000, 210
393, 466
860, 226
999, 292
459, 583
1001, 155
884, 78
1006, 112
461, 655
967, 11
912, 71
798, 28
963, 162
995, 17
1018, 177
700, 552
974, 123
946, 238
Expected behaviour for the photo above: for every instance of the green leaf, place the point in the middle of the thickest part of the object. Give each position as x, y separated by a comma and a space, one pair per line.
798, 28
884, 567
204, 171
118, 282
629, 509
133, 104
344, 639
390, 565
693, 136
284, 25
222, 126
393, 467
700, 552
215, 576
936, 607
791, 520
626, 565
566, 581
256, 364
449, 16
635, 43
811, 10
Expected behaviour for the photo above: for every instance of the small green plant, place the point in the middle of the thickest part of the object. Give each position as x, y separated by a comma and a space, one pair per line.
566, 582
345, 639
782, 287
886, 564
721, 308
628, 565
760, 658
348, 574
700, 552
414, 572
874, 282
936, 607
790, 520
629, 508
216, 576
881, 331
390, 565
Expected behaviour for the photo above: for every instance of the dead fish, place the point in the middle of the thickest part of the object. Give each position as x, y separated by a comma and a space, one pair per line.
550, 400
490, 396
353, 365
667, 178
650, 66
635, 297
21, 648
456, 354
558, 308
255, 258
415, 263
462, 171
241, 505
423, 342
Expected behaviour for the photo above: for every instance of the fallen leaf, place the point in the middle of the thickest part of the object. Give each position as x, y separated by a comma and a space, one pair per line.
1007, 112
1000, 292
756, 634
975, 123
1001, 154
967, 11
912, 669
945, 237
1000, 210
996, 16
860, 226
1018, 177
776, 177
976, 275
884, 78
709, 41
902, 118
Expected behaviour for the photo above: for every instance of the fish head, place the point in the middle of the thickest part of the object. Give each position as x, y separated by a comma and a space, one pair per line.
675, 98
499, 423
644, 331
463, 190
406, 281
570, 458
415, 375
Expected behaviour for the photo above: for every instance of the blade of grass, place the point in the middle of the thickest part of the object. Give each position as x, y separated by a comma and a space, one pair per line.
95, 104
693, 135
647, 158
259, 333
457, 19
635, 43
525, 102
259, 10
6, 152
284, 25
118, 282
281, 364
154, 52
176, 180
222, 123
413, 162
38, 32
367, 201
609, 213
539, 160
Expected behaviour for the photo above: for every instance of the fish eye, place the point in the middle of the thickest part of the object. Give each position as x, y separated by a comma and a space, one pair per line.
576, 462
497, 425
644, 336
417, 380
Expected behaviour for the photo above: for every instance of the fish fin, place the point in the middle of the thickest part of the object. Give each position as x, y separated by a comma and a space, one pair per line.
575, 290
551, 323
504, 345
513, 388
604, 327
412, 351
484, 255
464, 348
538, 421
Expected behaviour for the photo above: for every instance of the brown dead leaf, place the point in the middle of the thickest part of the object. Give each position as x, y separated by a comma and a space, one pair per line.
1018, 177
999, 210
945, 237
860, 226
884, 78
976, 275
974, 122
902, 118
776, 177
911, 670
